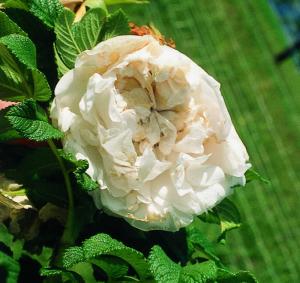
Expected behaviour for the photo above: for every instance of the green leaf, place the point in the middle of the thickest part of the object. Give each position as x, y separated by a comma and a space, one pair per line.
46, 10
74, 38
197, 241
117, 2
229, 216
61, 67
199, 273
226, 214
17, 4
112, 266
83, 179
43, 258
19, 78
22, 47
79, 168
29, 120
16, 246
103, 244
8, 26
96, 249
11, 266
163, 269
6, 131
85, 270
116, 24
252, 175
225, 276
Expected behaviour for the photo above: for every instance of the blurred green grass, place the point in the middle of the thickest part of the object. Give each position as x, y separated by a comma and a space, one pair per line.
235, 42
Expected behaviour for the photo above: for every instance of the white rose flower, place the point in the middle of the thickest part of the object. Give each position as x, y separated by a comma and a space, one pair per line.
155, 131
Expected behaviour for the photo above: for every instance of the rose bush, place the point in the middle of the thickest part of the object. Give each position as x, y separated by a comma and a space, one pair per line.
154, 129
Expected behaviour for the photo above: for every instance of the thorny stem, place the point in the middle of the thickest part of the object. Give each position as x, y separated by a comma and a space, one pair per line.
67, 238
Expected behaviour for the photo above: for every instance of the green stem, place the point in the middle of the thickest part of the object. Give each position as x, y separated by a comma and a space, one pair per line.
67, 238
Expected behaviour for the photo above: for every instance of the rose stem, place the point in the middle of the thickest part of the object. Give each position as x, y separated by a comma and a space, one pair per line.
67, 238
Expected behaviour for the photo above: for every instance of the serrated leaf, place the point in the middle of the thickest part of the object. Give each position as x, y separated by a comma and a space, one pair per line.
18, 77
199, 273
74, 38
225, 276
8, 26
31, 123
84, 180
116, 24
163, 269
17, 4
46, 10
79, 168
197, 241
6, 131
22, 47
103, 244
11, 267
72, 256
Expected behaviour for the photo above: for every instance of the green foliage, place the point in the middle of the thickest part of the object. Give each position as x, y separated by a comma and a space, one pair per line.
226, 215
22, 47
103, 245
79, 168
17, 4
162, 267
46, 10
198, 245
74, 38
199, 272
252, 175
19, 76
116, 24
117, 2
16, 246
31, 122
8, 26
11, 266
225, 276
6, 131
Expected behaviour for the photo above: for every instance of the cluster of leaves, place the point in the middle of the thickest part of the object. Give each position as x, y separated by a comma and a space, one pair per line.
39, 42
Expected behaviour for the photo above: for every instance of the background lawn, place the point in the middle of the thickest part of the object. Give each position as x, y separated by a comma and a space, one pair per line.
235, 41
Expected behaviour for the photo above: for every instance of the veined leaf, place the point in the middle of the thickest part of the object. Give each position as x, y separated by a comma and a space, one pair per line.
17, 4
197, 241
74, 38
199, 272
31, 122
46, 10
8, 26
96, 249
163, 269
116, 24
22, 47
103, 244
19, 78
